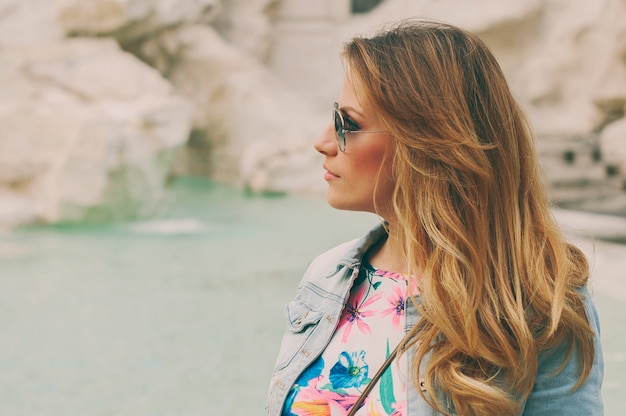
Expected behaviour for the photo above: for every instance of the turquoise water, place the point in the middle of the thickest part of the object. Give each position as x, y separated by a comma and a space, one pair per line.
180, 315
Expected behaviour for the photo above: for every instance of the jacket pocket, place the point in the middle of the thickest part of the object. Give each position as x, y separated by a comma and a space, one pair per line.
302, 321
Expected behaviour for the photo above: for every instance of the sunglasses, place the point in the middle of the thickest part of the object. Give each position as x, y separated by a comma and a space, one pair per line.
341, 130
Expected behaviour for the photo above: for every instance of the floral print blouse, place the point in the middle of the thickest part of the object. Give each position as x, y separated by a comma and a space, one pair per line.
371, 325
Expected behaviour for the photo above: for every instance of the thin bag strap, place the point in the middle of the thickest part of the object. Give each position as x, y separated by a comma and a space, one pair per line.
355, 407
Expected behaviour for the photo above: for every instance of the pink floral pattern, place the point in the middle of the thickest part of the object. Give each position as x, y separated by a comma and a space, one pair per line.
355, 312
315, 402
333, 382
396, 301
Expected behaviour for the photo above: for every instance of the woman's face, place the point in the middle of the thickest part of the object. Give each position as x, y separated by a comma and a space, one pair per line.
365, 166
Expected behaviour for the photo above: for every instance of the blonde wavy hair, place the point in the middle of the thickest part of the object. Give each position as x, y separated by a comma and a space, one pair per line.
499, 280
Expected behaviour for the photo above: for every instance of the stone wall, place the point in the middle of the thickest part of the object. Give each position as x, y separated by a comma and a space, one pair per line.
87, 130
565, 60
102, 100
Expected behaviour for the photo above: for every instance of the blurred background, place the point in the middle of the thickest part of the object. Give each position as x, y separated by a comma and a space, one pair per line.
160, 196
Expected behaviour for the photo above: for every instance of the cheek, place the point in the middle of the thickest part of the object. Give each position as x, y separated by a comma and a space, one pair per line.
382, 175
377, 167
365, 171
368, 164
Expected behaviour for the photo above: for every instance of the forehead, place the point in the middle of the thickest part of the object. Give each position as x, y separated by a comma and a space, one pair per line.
351, 93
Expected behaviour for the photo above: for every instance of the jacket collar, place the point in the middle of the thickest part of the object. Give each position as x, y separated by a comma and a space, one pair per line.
354, 255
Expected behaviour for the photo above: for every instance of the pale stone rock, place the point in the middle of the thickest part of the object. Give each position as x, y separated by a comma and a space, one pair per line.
613, 145
308, 36
276, 152
99, 16
561, 57
197, 61
86, 128
473, 16
576, 60
28, 22
111, 125
305, 10
245, 120
291, 172
76, 63
129, 20
247, 25
305, 56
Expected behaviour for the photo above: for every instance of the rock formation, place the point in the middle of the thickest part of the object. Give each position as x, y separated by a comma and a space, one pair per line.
86, 131
101, 100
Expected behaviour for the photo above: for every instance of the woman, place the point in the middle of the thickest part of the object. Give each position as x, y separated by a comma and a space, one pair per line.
468, 273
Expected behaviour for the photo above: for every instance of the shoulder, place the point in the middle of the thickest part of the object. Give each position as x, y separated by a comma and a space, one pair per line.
554, 391
590, 309
330, 263
347, 255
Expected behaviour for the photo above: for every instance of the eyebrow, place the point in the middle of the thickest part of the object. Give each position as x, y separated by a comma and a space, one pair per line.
354, 110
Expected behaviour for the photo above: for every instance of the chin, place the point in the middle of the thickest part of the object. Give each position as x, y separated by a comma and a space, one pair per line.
333, 202
339, 202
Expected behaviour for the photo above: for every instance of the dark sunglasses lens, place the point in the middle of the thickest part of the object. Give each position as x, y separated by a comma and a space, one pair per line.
339, 130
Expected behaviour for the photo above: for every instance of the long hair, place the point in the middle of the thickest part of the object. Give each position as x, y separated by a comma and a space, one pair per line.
499, 280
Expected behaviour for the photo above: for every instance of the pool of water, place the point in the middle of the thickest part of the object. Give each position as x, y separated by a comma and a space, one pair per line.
178, 315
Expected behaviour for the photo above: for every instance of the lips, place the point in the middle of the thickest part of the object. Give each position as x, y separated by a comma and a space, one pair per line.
330, 174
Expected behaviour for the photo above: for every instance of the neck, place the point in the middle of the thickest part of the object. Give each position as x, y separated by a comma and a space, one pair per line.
388, 255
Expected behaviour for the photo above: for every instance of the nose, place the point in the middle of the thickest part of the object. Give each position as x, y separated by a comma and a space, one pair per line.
326, 142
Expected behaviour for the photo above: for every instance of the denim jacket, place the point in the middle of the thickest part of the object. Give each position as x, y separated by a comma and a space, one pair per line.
313, 315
